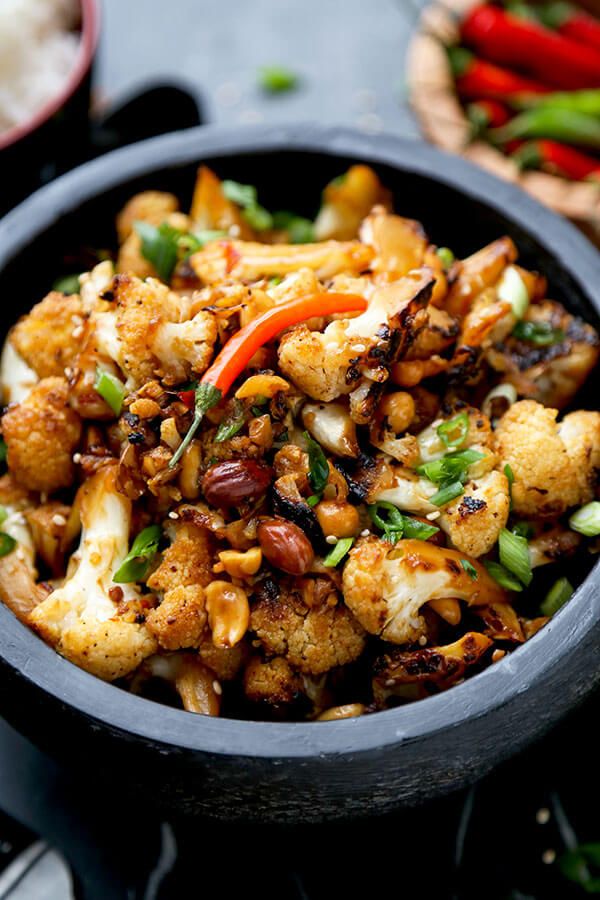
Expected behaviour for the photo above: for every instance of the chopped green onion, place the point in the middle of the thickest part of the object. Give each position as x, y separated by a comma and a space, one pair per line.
232, 424
3, 450
338, 552
446, 255
514, 555
542, 334
111, 390
69, 284
7, 544
504, 578
557, 596
244, 196
580, 865
299, 229
277, 79
159, 246
137, 563
587, 519
319, 467
395, 525
524, 530
413, 528
504, 391
469, 569
453, 433
3, 514
447, 493
510, 477
275, 280
451, 467
512, 289
202, 237
313, 499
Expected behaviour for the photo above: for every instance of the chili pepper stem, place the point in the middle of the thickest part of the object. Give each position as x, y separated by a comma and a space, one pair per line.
207, 396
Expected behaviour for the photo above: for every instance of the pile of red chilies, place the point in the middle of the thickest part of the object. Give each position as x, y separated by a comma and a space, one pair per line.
530, 76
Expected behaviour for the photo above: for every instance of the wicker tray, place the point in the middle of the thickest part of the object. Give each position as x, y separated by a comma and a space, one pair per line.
444, 123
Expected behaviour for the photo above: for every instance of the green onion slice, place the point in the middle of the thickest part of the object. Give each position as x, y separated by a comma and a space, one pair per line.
7, 544
299, 229
542, 334
319, 467
3, 450
512, 289
447, 493
245, 196
504, 578
453, 433
557, 596
232, 424
451, 467
137, 563
69, 284
504, 391
277, 79
395, 524
159, 246
514, 555
3, 514
338, 552
524, 530
111, 390
313, 499
587, 519
446, 255
469, 569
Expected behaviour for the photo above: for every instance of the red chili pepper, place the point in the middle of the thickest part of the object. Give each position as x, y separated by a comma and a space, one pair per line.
187, 398
559, 158
569, 21
484, 114
476, 79
239, 349
512, 41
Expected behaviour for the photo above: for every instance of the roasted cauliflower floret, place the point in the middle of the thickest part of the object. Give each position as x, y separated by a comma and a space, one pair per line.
184, 572
154, 333
312, 639
225, 662
473, 522
274, 685
330, 363
18, 573
41, 434
49, 337
148, 206
551, 474
81, 619
385, 586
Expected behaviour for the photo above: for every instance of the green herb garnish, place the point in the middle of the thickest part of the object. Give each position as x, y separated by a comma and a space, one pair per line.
111, 390
7, 544
469, 569
319, 467
313, 499
3, 450
68, 284
542, 334
587, 519
338, 552
245, 196
504, 578
164, 246
446, 255
137, 563
514, 555
395, 524
299, 229
447, 492
575, 865
232, 424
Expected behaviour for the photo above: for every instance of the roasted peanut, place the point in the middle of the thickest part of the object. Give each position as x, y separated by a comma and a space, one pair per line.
285, 546
228, 613
399, 409
169, 433
347, 711
189, 482
339, 519
195, 684
235, 481
239, 564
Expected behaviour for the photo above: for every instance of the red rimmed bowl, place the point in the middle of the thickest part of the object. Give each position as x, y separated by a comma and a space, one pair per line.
53, 138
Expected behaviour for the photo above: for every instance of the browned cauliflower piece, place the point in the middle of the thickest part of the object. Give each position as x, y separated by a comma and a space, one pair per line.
312, 639
18, 573
225, 662
41, 434
385, 586
180, 619
328, 364
186, 569
49, 337
553, 465
473, 522
154, 333
148, 206
274, 685
81, 620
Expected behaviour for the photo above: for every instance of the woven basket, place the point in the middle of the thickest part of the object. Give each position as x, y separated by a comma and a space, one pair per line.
444, 123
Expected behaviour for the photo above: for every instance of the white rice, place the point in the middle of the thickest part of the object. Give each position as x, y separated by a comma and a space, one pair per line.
37, 51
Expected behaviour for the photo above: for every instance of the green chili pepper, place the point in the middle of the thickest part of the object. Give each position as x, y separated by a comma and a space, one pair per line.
565, 125
586, 101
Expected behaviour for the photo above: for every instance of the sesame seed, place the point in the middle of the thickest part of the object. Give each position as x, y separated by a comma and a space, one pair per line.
77, 332
77, 458
331, 539
432, 516
422, 640
59, 520
217, 688
365, 532
173, 515
548, 856
497, 655
542, 816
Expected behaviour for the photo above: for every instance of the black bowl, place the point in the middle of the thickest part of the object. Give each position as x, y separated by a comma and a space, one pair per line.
298, 772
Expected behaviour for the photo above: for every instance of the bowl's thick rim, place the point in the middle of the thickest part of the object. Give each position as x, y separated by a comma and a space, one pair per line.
533, 666
88, 43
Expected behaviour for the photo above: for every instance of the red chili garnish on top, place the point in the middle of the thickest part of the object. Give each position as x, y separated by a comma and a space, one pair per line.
239, 349
511, 41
